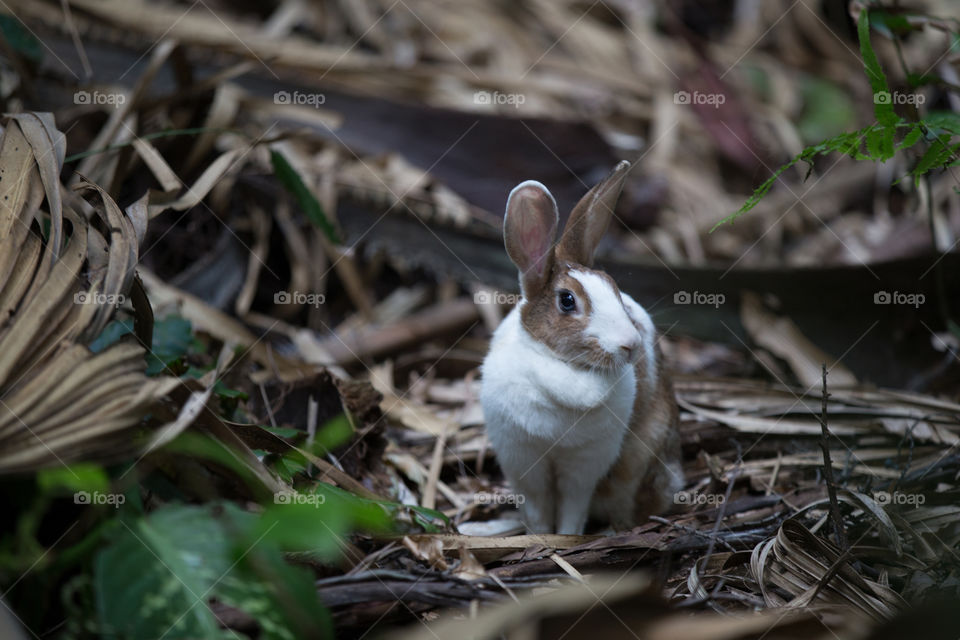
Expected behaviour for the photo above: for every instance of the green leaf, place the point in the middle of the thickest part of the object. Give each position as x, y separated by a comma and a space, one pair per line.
845, 143
292, 182
283, 432
311, 525
875, 142
286, 466
319, 520
334, 432
224, 391
172, 339
20, 39
882, 105
891, 25
431, 520
81, 476
111, 334
916, 80
198, 445
914, 135
156, 577
943, 120
153, 580
940, 154
219, 388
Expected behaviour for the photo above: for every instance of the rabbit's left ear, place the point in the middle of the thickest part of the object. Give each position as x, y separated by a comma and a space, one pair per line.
590, 218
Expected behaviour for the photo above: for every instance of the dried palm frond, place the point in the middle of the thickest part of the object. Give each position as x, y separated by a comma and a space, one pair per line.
61, 282
811, 571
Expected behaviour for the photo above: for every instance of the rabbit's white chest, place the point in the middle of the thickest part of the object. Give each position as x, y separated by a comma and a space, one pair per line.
526, 390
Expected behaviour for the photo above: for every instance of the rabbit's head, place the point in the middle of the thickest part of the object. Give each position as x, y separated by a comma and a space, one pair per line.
574, 310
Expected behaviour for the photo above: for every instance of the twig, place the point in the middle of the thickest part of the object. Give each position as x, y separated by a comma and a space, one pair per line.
733, 597
722, 511
429, 498
373, 342
693, 531
828, 468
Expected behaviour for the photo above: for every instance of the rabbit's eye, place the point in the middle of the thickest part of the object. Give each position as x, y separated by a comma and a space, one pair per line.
567, 302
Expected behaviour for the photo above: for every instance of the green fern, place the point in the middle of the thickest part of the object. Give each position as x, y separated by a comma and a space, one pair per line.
878, 142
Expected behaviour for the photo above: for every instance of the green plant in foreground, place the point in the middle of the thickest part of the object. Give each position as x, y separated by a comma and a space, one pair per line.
117, 567
937, 133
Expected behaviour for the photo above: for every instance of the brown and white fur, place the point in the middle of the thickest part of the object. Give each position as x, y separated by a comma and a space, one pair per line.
579, 408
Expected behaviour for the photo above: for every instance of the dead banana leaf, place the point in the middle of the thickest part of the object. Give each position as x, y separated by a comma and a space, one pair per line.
61, 282
797, 562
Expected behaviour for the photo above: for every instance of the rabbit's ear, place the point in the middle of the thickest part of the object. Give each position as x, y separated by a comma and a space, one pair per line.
529, 229
590, 218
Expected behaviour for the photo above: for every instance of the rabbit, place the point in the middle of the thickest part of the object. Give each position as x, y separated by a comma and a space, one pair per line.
579, 408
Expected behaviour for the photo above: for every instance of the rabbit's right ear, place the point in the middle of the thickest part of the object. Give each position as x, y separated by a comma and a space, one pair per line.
529, 229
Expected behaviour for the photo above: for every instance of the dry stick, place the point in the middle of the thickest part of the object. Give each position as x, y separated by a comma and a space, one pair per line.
425, 325
350, 276
733, 597
266, 403
722, 511
721, 514
828, 467
692, 530
429, 498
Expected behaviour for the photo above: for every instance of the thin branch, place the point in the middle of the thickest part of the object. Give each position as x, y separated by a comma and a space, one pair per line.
838, 531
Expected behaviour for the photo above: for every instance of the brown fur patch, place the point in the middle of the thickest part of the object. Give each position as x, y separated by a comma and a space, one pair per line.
640, 482
565, 334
